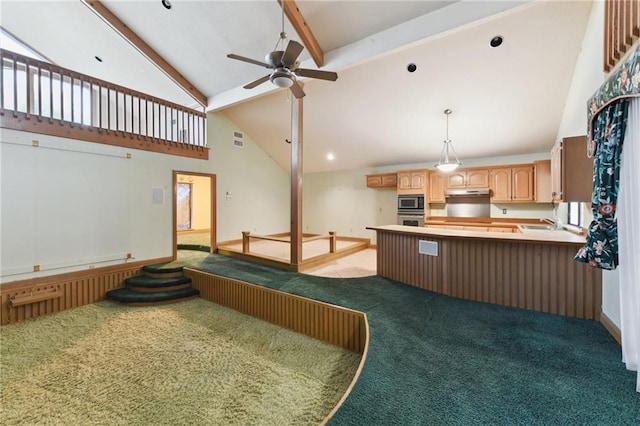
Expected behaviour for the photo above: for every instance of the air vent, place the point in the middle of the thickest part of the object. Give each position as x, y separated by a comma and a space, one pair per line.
238, 139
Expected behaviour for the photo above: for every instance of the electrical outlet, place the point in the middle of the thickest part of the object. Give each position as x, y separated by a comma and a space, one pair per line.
504, 211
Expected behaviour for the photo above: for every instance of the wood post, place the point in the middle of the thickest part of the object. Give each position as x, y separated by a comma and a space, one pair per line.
245, 241
296, 183
332, 241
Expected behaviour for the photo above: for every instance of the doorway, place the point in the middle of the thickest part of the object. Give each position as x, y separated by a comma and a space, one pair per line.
194, 212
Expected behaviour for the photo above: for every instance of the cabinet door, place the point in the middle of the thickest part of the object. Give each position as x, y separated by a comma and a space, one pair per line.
542, 188
576, 169
556, 172
389, 180
456, 180
418, 180
477, 179
522, 184
404, 180
374, 181
436, 188
501, 185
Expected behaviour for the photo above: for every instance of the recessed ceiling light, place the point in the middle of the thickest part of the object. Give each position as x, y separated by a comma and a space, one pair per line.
412, 67
166, 4
330, 156
496, 41
98, 58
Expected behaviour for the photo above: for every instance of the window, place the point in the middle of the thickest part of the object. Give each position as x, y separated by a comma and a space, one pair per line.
576, 217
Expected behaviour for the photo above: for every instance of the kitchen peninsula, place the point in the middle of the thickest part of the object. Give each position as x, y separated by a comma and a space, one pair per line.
529, 269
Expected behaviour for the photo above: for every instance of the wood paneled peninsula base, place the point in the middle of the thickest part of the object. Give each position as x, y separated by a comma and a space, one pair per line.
532, 270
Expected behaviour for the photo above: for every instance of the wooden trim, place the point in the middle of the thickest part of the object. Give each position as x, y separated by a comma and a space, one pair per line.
304, 32
329, 323
19, 121
110, 18
213, 206
70, 290
611, 327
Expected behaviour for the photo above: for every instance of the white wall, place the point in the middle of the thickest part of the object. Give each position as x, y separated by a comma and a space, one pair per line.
587, 78
340, 200
69, 205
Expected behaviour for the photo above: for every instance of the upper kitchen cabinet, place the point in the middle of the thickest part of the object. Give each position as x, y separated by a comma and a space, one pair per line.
571, 170
382, 180
412, 181
436, 188
512, 184
469, 178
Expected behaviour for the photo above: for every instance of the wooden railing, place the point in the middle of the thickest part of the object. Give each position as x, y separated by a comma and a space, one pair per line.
43, 98
246, 240
621, 30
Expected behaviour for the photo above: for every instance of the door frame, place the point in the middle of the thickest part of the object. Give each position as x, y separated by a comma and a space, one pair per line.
212, 207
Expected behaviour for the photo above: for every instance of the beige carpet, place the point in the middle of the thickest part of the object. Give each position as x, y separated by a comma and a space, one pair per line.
194, 362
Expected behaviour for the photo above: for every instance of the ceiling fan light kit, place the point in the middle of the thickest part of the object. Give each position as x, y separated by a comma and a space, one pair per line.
282, 78
446, 163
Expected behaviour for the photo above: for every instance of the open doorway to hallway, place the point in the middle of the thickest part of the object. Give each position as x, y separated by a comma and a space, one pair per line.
194, 212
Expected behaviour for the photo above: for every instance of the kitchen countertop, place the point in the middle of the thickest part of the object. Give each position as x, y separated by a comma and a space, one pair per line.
539, 236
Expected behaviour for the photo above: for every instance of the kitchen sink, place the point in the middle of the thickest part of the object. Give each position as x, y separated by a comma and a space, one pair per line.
538, 227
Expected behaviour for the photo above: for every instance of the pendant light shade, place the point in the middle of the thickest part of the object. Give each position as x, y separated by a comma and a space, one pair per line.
448, 158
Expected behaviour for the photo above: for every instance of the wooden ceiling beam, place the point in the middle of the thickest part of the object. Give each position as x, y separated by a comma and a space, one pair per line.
304, 32
126, 32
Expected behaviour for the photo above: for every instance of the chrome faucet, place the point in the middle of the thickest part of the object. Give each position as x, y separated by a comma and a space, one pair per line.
557, 223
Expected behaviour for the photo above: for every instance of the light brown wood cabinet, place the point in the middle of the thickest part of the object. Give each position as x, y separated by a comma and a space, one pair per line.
382, 180
512, 184
571, 170
412, 181
436, 188
469, 178
542, 170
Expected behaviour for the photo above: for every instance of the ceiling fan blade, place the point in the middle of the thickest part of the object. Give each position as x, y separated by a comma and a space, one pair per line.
257, 82
322, 75
291, 54
251, 61
297, 90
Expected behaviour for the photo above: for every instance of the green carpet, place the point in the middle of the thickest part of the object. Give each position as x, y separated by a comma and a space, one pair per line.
189, 363
438, 360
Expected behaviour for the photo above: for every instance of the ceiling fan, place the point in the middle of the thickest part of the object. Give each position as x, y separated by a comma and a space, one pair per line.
284, 64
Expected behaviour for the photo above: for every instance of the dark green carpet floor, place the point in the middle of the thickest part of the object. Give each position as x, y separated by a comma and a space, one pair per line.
435, 360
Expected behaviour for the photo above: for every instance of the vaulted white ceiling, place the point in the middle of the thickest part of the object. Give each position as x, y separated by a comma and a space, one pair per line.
505, 100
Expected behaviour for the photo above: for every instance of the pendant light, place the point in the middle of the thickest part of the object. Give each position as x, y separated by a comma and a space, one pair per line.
446, 163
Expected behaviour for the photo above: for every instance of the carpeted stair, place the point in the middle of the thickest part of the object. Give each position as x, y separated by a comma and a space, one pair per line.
157, 285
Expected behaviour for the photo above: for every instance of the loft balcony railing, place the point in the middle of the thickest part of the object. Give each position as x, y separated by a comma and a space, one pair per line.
43, 98
621, 30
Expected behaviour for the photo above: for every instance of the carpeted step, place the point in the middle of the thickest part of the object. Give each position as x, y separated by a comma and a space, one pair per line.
134, 298
196, 247
162, 271
146, 284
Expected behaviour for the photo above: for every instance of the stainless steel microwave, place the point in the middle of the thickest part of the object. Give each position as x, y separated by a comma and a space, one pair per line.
410, 203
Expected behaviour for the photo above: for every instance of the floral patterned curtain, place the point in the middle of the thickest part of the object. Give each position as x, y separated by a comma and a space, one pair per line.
605, 143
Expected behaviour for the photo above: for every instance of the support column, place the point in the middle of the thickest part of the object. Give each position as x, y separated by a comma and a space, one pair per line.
296, 183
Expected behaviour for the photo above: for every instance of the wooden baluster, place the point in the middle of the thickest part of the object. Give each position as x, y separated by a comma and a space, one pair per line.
61, 98
139, 117
28, 94
100, 108
108, 109
1, 81
73, 104
15, 88
245, 241
39, 93
50, 96
332, 241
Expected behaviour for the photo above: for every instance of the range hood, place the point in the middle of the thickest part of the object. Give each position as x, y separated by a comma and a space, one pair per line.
476, 192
